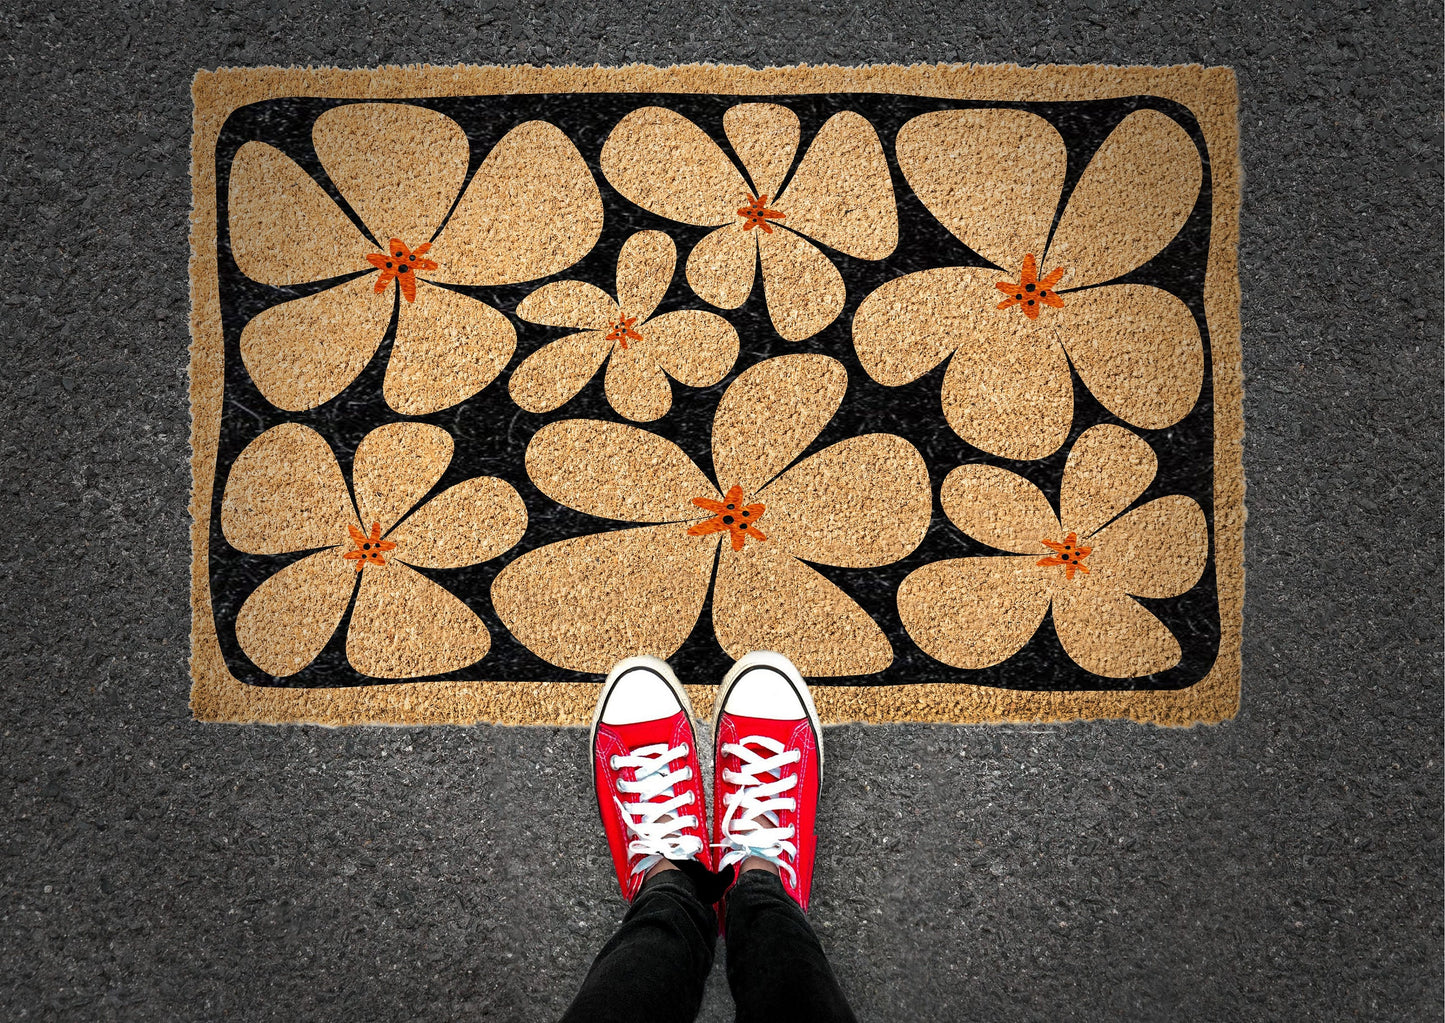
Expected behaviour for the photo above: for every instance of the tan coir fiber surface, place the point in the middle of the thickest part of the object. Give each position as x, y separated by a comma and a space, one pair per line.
1032, 523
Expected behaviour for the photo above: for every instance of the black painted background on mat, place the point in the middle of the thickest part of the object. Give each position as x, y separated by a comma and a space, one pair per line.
492, 433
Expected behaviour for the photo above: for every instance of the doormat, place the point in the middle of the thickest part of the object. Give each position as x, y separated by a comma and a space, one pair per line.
927, 377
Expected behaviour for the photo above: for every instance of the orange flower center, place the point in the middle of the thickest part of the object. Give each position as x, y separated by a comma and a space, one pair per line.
368, 548
757, 214
622, 331
731, 514
400, 264
1069, 554
1030, 293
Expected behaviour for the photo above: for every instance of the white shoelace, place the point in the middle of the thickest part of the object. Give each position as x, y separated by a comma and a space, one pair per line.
750, 826
654, 818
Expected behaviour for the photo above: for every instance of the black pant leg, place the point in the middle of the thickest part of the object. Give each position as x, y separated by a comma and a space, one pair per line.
776, 967
654, 968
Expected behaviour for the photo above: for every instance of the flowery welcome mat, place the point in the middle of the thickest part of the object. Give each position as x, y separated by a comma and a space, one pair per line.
927, 377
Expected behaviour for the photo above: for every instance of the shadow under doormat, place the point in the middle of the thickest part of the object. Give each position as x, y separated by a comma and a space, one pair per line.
927, 377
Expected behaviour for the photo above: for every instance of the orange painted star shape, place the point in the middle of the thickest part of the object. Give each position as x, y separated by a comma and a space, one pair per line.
1030, 294
622, 331
1069, 554
400, 264
741, 520
758, 214
368, 548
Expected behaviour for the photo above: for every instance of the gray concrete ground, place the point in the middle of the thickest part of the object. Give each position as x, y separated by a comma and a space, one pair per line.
1285, 865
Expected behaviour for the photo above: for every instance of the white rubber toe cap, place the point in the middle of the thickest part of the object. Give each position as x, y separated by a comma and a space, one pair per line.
640, 689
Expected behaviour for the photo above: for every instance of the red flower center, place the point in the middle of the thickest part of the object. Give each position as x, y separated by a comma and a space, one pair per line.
368, 548
622, 331
1031, 294
400, 264
757, 214
731, 514
1069, 554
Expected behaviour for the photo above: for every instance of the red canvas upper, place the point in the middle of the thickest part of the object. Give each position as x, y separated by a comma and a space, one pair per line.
794, 734
621, 740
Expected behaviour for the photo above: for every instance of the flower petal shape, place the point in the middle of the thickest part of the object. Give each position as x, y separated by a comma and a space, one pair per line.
842, 194
394, 467
405, 625
1157, 550
1008, 390
999, 508
531, 210
466, 524
765, 137
694, 346
289, 618
569, 304
644, 270
664, 163
448, 347
1131, 201
770, 414
285, 229
304, 352
860, 503
285, 493
636, 385
804, 289
1108, 633
912, 323
992, 177
974, 612
587, 602
553, 374
1106, 471
721, 267
616, 471
766, 599
1137, 349
400, 166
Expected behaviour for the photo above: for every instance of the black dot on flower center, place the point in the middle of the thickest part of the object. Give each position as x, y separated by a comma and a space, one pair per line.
1028, 287
412, 258
1018, 298
731, 507
746, 514
727, 520
400, 254
1031, 301
402, 270
743, 526
388, 266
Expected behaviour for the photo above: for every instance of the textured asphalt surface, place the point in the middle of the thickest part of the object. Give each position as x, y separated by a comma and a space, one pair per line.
1284, 865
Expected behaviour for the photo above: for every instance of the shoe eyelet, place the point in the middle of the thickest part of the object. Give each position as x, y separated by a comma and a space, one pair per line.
612, 762
686, 749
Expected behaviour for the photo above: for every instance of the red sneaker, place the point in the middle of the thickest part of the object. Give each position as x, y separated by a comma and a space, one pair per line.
768, 768
644, 766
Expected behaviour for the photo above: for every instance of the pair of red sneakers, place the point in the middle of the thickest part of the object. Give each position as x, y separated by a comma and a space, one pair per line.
767, 763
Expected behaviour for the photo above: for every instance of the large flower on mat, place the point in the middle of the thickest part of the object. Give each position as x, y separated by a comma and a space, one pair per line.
862, 502
693, 345
994, 179
840, 195
531, 209
1085, 562
286, 493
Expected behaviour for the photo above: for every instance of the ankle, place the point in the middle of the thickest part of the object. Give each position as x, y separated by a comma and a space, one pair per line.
758, 863
658, 867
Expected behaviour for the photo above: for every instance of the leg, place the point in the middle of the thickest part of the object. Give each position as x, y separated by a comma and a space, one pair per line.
776, 967
649, 791
768, 772
655, 966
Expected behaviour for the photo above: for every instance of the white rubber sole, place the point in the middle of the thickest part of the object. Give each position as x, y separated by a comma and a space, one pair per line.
655, 664
780, 664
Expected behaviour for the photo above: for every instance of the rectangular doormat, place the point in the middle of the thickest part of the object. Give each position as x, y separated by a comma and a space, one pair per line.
927, 377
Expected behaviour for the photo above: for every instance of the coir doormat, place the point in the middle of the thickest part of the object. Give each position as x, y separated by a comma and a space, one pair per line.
926, 377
